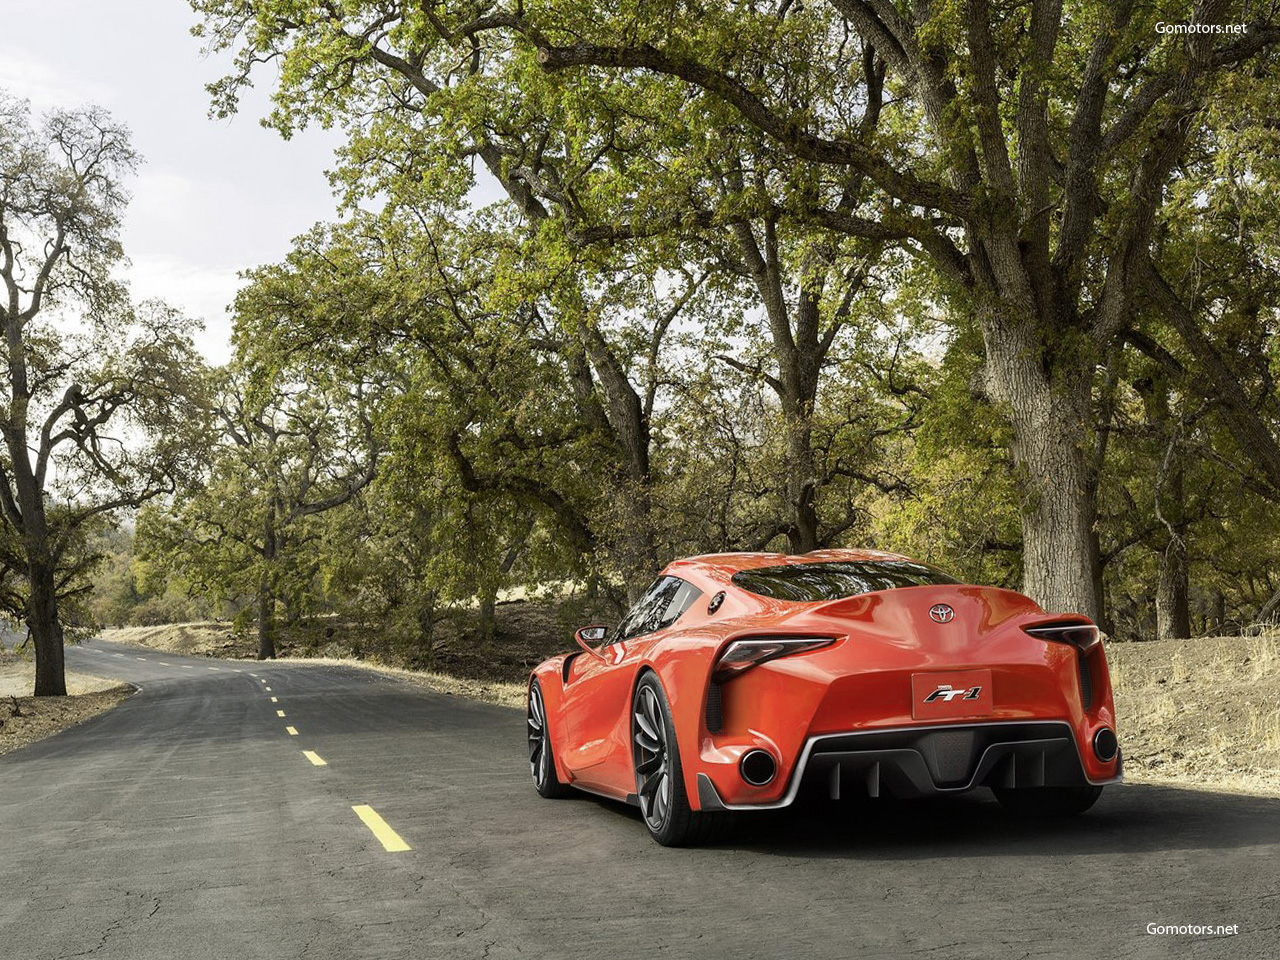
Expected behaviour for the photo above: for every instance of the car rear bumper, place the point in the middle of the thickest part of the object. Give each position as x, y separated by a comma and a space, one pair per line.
930, 761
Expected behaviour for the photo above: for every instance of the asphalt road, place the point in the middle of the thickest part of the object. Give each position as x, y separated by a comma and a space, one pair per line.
190, 823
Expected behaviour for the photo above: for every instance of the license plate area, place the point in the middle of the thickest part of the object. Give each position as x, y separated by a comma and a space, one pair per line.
950, 694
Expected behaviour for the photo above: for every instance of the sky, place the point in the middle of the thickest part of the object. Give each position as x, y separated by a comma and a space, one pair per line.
212, 197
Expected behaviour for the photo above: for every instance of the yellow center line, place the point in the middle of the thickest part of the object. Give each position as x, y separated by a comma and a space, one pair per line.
314, 757
279, 713
292, 731
390, 840
274, 700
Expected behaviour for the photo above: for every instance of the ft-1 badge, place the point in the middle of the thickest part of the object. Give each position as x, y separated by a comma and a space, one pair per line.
955, 694
948, 693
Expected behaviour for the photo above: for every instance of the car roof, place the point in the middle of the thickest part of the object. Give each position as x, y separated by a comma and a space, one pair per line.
720, 567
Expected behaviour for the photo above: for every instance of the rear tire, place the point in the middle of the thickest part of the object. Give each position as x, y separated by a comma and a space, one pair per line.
664, 804
542, 763
1047, 802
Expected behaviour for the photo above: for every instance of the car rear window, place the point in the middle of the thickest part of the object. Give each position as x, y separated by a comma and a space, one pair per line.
809, 582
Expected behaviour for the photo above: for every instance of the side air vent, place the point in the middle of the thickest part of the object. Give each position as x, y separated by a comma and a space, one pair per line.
568, 666
1086, 681
715, 708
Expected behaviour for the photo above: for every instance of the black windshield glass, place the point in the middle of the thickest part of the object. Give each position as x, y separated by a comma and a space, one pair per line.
808, 582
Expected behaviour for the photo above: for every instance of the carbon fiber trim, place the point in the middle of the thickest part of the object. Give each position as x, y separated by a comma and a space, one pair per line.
1086, 681
715, 708
567, 666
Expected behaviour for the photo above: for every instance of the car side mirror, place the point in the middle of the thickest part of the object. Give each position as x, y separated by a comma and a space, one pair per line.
590, 635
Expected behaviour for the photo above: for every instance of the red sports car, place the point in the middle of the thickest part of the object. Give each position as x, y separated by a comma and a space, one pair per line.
741, 678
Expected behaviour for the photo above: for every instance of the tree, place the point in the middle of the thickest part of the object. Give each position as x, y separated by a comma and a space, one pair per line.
618, 179
1024, 153
1203, 342
1030, 165
96, 409
285, 452
488, 393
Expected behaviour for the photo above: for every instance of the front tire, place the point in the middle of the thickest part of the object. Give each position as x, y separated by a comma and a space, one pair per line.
542, 762
1047, 802
655, 752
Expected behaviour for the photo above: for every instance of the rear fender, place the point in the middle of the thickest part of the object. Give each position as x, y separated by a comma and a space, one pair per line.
684, 669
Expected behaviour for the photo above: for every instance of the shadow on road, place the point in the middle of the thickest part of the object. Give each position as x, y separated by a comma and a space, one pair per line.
1131, 818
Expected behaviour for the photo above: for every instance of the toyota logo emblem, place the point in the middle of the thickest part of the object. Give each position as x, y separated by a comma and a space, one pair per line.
941, 613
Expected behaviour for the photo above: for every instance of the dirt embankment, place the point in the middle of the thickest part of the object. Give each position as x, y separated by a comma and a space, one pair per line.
1203, 711
25, 719
457, 660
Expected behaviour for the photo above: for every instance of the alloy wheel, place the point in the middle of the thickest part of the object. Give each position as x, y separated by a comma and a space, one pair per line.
650, 751
538, 753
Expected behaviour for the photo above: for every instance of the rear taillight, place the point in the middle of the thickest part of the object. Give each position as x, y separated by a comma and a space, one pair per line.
1082, 636
742, 655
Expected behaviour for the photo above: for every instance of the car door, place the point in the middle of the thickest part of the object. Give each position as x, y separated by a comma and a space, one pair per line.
597, 703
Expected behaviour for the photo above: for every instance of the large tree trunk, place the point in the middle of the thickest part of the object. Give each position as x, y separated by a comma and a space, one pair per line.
266, 595
1173, 612
799, 350
46, 631
42, 571
1049, 411
801, 486
265, 621
634, 541
800, 365
1219, 613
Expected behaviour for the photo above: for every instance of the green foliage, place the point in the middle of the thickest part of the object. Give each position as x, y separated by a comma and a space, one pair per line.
758, 283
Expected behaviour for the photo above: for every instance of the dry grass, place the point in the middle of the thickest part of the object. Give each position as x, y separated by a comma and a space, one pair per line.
1200, 711
18, 676
1264, 655
203, 638
525, 634
1264, 728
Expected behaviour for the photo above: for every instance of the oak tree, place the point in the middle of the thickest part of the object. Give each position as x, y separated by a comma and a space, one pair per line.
97, 401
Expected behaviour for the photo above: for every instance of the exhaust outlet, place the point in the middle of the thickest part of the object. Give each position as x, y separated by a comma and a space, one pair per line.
1105, 745
757, 767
